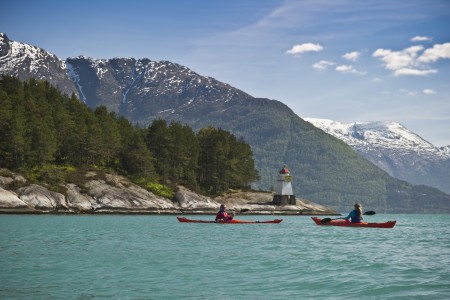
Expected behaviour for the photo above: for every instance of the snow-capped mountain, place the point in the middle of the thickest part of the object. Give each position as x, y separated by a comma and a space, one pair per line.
157, 89
25, 61
395, 149
143, 90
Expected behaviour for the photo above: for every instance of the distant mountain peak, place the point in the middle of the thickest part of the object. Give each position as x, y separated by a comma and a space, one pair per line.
387, 134
395, 149
24, 61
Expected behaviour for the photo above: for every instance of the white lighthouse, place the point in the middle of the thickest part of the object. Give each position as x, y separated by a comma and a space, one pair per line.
283, 190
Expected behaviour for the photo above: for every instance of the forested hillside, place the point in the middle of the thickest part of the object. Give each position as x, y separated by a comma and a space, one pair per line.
41, 129
325, 169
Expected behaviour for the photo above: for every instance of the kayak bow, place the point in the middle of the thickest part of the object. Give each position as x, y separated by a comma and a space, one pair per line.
186, 220
346, 223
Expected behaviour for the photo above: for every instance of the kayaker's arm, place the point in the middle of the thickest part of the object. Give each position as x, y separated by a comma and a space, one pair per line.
347, 217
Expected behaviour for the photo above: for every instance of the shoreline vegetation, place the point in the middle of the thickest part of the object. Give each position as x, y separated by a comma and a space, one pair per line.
49, 136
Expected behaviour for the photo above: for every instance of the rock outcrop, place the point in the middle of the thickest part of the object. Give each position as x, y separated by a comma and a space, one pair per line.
117, 194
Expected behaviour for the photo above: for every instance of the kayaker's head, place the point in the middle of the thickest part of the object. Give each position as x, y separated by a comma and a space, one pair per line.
358, 205
222, 207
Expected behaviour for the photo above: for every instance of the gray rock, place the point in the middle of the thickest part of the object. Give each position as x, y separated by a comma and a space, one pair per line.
78, 201
188, 200
108, 197
40, 198
9, 201
116, 194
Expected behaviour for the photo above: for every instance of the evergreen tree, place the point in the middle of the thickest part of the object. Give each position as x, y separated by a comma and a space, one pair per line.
137, 159
223, 161
109, 140
6, 119
184, 154
160, 144
41, 135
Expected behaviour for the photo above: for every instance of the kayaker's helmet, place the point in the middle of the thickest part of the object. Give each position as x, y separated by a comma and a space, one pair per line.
222, 206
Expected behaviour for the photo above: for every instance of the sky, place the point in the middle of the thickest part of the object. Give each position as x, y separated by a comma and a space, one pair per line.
343, 60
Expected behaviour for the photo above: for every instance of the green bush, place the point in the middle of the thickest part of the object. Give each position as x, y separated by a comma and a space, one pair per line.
160, 190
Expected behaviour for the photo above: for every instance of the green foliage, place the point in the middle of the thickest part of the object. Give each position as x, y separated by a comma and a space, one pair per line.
225, 162
49, 174
43, 132
160, 190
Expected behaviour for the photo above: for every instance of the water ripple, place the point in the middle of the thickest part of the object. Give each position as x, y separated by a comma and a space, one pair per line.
155, 257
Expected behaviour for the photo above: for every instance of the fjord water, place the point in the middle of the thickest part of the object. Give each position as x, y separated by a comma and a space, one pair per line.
156, 257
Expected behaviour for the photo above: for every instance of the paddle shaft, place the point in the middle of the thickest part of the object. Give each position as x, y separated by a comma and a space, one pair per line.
367, 213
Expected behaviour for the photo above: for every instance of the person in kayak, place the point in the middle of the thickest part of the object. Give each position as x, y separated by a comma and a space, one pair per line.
355, 215
222, 215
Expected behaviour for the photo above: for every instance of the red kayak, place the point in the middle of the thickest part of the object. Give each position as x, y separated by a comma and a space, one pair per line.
346, 223
186, 220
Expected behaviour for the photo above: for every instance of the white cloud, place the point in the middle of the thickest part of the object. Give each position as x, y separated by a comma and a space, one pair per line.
353, 56
420, 39
345, 68
409, 61
395, 60
417, 72
408, 92
323, 64
302, 48
348, 69
439, 51
429, 91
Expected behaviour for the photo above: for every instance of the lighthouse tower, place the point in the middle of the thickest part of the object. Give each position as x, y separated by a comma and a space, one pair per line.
283, 190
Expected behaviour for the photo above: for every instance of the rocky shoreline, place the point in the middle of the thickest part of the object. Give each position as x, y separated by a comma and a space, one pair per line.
117, 195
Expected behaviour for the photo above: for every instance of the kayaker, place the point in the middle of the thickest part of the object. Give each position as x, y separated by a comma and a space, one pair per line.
222, 215
356, 214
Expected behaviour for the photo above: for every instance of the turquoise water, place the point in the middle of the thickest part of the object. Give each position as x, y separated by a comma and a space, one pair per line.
156, 257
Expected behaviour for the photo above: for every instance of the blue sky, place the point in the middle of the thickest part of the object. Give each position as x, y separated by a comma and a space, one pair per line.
335, 59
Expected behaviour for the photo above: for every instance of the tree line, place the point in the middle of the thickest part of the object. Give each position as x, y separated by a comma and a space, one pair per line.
39, 126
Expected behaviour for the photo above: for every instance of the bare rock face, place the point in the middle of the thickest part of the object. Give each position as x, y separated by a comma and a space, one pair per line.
40, 198
188, 200
10, 201
116, 194
131, 198
79, 201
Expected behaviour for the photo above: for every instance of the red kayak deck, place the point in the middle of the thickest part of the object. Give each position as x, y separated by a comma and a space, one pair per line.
186, 220
346, 223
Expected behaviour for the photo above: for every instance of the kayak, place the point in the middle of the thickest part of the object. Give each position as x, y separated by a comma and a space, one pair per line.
186, 220
346, 223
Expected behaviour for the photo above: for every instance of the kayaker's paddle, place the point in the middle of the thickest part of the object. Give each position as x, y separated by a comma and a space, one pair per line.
327, 220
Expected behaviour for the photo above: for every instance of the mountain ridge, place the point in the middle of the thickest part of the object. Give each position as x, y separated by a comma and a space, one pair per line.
395, 149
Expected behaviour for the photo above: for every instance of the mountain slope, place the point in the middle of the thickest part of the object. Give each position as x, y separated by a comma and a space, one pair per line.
25, 61
395, 149
325, 169
143, 90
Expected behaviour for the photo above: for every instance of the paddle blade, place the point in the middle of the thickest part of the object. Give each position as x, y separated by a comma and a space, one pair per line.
325, 220
369, 213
